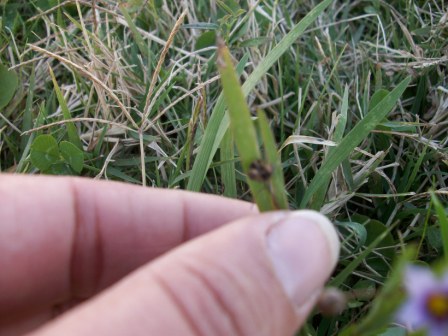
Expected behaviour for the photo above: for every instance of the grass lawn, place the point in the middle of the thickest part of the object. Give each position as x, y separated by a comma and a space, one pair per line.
355, 94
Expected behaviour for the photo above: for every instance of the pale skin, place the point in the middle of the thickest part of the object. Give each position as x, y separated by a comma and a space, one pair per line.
83, 257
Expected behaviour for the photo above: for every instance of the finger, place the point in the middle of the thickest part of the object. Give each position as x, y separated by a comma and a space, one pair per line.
62, 238
260, 275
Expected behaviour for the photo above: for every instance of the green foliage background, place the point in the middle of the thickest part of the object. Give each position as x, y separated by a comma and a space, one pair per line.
356, 100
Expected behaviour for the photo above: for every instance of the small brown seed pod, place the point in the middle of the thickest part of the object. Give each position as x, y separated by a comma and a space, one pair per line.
259, 171
332, 302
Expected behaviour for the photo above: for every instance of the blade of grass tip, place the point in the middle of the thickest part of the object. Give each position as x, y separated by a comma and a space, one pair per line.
241, 122
277, 181
319, 197
73, 135
219, 120
443, 222
242, 126
353, 139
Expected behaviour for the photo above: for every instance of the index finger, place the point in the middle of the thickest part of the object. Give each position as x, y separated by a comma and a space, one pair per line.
65, 238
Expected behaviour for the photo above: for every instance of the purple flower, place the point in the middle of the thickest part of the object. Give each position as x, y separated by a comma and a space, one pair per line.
426, 306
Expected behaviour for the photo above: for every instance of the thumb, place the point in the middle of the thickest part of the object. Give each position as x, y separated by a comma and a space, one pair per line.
259, 275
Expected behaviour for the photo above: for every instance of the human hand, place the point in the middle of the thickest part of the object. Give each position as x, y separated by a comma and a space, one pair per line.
153, 262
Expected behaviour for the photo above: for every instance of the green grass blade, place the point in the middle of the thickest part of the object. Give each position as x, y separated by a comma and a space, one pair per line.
134, 30
28, 114
337, 137
228, 168
353, 139
227, 152
443, 222
219, 121
415, 170
73, 135
192, 128
241, 122
273, 159
342, 122
243, 129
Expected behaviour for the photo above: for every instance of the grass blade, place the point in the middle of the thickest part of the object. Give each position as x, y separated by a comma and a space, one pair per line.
134, 30
227, 153
219, 121
73, 135
242, 127
228, 168
353, 139
241, 122
272, 157
28, 114
337, 137
443, 222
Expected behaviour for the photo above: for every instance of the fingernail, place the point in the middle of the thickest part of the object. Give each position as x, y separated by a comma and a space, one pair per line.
304, 249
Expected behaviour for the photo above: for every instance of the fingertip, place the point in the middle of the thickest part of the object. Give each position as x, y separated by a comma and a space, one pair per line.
327, 228
304, 249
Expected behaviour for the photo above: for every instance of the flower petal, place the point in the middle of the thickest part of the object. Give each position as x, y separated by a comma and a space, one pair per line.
419, 280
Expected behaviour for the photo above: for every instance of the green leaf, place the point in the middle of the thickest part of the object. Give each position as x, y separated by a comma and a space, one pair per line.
219, 120
434, 238
72, 155
351, 267
353, 228
59, 168
353, 139
386, 249
207, 39
44, 152
8, 85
